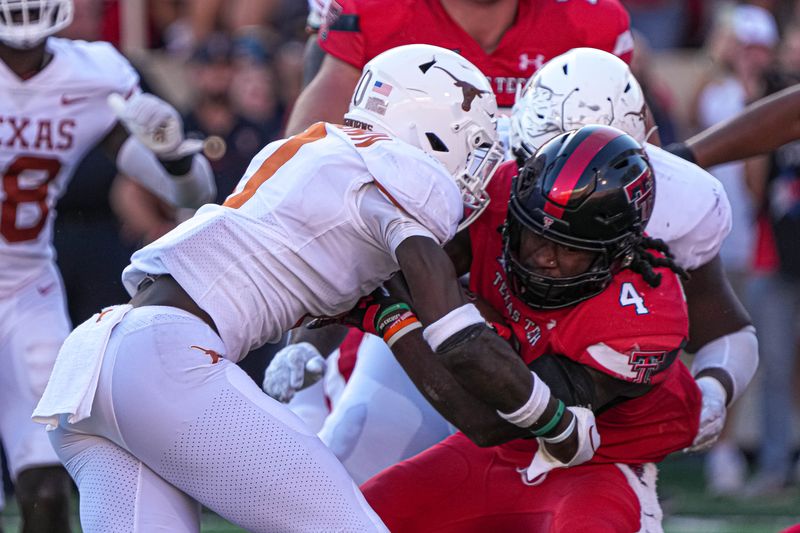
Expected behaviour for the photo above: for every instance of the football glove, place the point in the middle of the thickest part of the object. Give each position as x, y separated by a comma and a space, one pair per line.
156, 124
588, 442
378, 313
712, 414
293, 368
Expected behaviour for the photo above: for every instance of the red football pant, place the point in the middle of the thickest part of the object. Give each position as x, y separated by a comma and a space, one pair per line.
457, 486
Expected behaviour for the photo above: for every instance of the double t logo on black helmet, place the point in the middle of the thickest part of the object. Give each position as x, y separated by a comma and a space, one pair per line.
592, 189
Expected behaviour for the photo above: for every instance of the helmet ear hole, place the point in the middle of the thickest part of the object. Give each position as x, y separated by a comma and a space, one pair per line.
436, 143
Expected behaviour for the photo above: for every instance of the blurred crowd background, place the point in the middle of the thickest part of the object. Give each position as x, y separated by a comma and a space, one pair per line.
234, 69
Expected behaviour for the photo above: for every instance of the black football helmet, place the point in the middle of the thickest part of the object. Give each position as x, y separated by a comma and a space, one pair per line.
591, 189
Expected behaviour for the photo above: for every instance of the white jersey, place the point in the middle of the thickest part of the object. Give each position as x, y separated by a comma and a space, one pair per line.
312, 226
691, 214
47, 124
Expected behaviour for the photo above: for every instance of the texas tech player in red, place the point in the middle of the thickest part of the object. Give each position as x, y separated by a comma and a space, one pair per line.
590, 314
508, 40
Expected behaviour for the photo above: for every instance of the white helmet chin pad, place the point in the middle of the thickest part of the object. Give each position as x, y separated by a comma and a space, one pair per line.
26, 23
581, 87
438, 101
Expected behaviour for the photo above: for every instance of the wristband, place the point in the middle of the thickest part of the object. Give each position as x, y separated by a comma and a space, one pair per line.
547, 428
536, 405
564, 434
395, 322
456, 320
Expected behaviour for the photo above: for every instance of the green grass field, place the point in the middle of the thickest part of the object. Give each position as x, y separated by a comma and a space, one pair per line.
686, 507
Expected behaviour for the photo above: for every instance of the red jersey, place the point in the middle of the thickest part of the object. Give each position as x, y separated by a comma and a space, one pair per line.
630, 331
355, 31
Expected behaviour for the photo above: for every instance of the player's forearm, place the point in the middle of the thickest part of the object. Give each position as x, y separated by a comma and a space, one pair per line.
192, 188
326, 98
761, 128
476, 419
325, 339
312, 60
308, 109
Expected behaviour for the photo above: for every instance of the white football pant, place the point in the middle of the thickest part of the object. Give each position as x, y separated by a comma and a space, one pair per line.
381, 418
33, 324
173, 427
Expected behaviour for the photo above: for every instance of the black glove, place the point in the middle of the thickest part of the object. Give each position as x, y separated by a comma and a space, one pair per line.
681, 150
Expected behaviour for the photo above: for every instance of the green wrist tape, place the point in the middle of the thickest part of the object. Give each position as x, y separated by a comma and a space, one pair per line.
547, 428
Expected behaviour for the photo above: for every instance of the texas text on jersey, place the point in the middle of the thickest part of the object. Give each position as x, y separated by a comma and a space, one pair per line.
355, 31
43, 138
638, 342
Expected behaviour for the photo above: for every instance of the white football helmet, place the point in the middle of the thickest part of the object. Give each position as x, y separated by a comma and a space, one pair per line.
438, 101
581, 87
26, 23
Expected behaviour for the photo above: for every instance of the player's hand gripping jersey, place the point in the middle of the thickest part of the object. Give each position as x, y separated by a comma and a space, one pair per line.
630, 331
47, 124
312, 226
355, 31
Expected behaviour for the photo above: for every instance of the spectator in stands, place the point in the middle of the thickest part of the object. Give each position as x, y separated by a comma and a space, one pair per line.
656, 92
742, 45
663, 21
254, 92
234, 138
776, 284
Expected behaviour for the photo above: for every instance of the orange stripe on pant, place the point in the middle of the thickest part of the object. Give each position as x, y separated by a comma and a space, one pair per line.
274, 162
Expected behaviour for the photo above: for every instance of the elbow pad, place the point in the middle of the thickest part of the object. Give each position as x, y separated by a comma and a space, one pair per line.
735, 353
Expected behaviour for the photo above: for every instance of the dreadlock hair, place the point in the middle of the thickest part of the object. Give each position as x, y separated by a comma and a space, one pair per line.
643, 261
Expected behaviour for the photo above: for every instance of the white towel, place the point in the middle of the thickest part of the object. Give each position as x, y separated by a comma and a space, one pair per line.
73, 382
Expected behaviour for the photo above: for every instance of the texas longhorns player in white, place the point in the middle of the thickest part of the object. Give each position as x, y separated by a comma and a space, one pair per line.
148, 402
381, 418
53, 110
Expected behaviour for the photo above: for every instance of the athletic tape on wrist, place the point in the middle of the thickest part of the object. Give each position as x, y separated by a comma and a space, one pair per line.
530, 412
557, 416
451, 323
561, 437
735, 353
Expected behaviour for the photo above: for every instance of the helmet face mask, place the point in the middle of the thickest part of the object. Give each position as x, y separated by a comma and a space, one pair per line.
482, 162
548, 292
581, 87
591, 189
438, 101
25, 24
